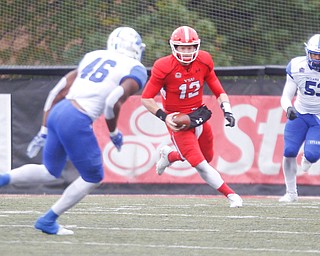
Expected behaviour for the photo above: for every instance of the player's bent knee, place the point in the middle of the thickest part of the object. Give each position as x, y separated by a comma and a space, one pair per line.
93, 178
311, 156
209, 157
94, 174
91, 170
54, 170
288, 152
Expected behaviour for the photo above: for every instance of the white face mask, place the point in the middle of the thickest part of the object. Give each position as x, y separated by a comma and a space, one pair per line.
185, 57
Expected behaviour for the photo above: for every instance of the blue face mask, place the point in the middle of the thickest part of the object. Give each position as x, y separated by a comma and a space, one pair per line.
313, 63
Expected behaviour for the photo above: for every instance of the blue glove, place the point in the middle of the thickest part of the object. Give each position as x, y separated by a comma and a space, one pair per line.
37, 143
117, 140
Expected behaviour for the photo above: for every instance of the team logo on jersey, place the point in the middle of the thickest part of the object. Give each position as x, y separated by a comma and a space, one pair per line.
178, 75
301, 70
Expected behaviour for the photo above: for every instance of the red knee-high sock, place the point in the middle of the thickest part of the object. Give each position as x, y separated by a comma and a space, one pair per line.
225, 189
174, 156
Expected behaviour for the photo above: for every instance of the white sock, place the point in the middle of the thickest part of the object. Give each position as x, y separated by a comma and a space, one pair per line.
305, 164
209, 174
73, 194
290, 173
30, 173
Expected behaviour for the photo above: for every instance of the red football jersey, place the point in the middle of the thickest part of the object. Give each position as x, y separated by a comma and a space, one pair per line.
182, 86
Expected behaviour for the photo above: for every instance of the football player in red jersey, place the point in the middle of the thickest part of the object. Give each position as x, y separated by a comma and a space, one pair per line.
180, 78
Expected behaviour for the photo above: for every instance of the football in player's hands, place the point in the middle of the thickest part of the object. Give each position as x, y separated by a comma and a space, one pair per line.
182, 120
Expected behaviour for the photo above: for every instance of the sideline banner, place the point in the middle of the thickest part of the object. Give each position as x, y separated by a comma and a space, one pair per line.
249, 153
5, 132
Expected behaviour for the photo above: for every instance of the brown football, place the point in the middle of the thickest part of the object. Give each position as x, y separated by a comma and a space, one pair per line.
182, 119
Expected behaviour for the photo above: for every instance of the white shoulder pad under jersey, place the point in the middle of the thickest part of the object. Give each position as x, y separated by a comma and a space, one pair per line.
308, 85
99, 73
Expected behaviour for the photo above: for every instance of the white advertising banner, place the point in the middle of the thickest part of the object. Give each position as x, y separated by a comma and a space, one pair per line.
5, 132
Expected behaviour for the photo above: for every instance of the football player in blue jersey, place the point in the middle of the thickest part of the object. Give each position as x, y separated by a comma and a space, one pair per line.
303, 125
102, 82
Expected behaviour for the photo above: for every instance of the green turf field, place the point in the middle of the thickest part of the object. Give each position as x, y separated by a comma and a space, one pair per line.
163, 225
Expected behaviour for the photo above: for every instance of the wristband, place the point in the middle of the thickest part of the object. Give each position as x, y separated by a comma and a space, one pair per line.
115, 132
161, 114
226, 107
44, 130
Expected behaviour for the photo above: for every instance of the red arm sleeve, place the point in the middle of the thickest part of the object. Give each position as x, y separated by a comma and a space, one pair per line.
212, 79
214, 84
210, 76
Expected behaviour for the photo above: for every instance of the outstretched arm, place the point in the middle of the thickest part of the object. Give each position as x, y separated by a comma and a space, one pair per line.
116, 99
113, 105
58, 93
55, 95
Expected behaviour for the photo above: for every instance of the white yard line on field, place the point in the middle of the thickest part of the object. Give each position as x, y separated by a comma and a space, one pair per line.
204, 248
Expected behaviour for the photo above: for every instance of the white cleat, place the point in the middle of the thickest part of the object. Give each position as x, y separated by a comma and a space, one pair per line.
163, 162
64, 232
235, 200
289, 198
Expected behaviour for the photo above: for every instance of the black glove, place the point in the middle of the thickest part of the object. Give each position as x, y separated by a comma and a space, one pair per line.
230, 118
291, 113
200, 116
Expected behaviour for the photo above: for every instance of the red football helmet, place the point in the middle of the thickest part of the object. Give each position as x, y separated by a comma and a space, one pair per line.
185, 36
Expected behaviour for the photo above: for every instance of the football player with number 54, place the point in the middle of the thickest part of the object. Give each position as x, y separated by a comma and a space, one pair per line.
180, 78
100, 85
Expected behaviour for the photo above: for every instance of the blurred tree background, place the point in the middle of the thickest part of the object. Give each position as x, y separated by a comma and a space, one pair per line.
236, 33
